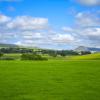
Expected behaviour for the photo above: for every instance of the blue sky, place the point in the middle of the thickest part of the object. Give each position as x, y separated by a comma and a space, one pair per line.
54, 10
56, 24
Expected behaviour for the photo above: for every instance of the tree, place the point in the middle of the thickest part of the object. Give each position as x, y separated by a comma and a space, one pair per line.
85, 52
29, 56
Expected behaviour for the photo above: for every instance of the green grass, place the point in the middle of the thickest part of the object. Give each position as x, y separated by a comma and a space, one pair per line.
13, 55
50, 80
95, 56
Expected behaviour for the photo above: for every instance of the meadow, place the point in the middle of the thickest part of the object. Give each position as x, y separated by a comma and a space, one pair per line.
50, 80
94, 56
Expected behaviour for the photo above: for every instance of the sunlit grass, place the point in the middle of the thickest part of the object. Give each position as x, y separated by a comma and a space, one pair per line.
95, 56
50, 80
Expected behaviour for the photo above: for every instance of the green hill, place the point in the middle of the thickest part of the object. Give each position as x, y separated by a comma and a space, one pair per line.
95, 56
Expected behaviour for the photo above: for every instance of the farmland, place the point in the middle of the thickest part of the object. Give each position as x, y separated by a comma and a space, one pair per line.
50, 80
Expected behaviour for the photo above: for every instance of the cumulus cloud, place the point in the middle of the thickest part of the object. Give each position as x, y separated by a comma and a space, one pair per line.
88, 36
28, 23
86, 19
21, 28
88, 27
95, 32
4, 19
63, 38
89, 2
28, 35
30, 31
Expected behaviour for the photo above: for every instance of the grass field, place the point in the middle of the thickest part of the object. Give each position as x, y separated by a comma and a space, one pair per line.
50, 80
94, 56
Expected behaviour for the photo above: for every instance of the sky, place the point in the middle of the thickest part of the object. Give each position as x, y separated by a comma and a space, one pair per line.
53, 24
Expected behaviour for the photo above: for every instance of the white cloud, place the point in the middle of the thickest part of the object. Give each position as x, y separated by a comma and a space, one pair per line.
67, 29
22, 28
92, 32
87, 19
89, 2
28, 23
32, 35
30, 31
4, 19
63, 38
88, 36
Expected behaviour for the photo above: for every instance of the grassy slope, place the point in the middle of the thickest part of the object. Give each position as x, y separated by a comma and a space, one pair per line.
95, 56
50, 80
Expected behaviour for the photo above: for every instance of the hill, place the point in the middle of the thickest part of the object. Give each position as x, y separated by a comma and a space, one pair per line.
17, 46
7, 45
83, 48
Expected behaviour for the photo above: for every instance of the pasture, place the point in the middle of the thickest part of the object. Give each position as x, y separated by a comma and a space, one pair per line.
50, 80
94, 56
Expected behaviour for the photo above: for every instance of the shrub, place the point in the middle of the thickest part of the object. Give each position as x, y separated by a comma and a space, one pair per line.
1, 54
32, 57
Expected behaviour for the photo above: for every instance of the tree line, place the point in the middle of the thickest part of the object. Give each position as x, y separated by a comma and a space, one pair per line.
38, 51
37, 54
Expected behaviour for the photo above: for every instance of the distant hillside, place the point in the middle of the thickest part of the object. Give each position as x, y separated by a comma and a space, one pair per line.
7, 45
18, 46
83, 48
95, 56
